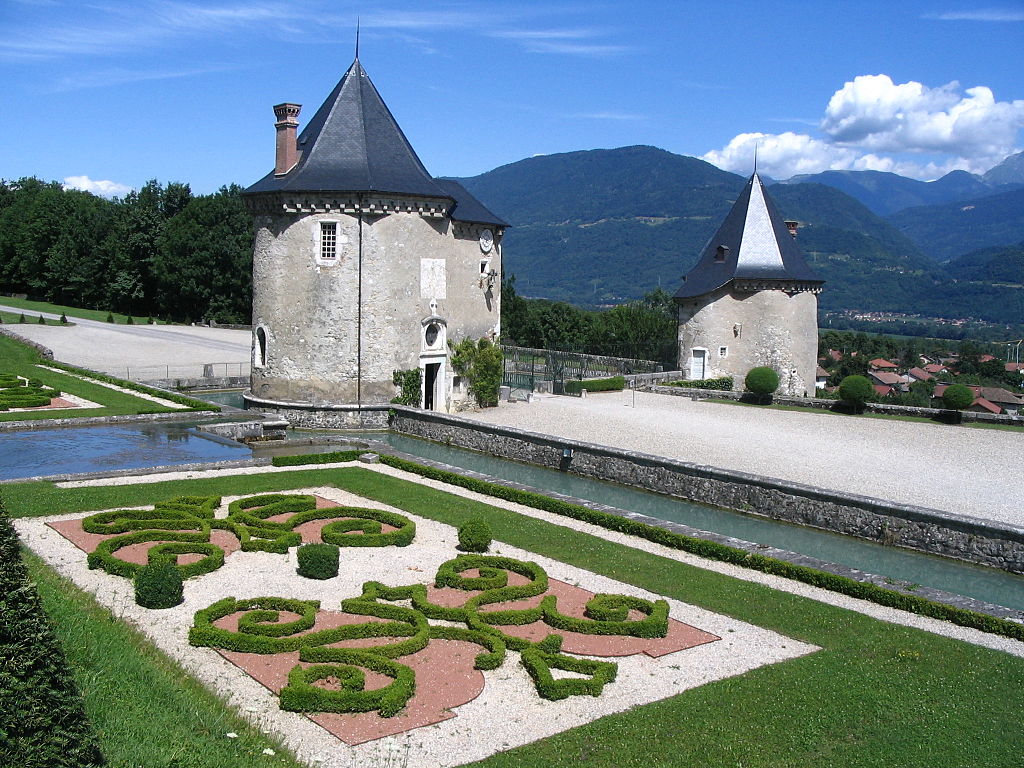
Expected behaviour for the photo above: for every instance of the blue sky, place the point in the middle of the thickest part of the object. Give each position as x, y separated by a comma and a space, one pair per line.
109, 93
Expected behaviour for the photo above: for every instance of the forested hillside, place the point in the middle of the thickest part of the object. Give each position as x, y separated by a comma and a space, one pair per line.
160, 251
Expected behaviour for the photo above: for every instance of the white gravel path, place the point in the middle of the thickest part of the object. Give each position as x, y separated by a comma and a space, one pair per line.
507, 714
962, 470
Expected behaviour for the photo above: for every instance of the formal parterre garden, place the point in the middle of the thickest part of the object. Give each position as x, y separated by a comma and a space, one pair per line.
31, 388
429, 628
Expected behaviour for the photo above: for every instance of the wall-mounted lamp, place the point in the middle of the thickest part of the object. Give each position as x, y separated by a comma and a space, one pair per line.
567, 453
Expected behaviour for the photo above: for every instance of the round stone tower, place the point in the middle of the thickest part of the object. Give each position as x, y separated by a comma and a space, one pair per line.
363, 264
751, 300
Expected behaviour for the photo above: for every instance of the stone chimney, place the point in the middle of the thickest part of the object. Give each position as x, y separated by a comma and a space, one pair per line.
287, 151
792, 227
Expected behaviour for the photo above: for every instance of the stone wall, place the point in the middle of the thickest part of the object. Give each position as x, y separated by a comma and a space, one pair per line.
46, 352
926, 530
307, 416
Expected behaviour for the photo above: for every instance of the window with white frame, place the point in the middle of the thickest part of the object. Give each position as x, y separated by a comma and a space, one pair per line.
723, 351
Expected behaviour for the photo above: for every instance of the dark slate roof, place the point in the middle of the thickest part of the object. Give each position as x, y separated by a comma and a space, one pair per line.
759, 243
467, 207
353, 144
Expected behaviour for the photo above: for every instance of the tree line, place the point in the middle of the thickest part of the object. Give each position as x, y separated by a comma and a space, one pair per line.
159, 251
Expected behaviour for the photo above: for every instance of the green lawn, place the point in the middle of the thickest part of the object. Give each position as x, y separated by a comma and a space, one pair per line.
876, 695
87, 314
13, 318
23, 360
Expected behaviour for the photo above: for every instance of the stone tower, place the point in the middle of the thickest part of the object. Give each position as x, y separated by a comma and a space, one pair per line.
363, 264
751, 300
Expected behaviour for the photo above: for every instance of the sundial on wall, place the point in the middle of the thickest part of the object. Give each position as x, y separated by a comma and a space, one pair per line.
486, 241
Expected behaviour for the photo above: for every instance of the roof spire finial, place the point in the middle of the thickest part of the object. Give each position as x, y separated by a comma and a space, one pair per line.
757, 144
357, 38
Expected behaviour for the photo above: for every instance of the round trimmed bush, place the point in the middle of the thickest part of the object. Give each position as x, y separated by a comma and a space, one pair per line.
762, 381
63, 319
474, 536
318, 561
957, 397
856, 391
159, 585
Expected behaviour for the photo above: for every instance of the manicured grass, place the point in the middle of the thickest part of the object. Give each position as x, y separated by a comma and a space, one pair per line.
57, 309
145, 709
876, 695
19, 358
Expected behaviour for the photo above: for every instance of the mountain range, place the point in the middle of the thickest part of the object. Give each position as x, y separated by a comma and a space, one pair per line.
600, 227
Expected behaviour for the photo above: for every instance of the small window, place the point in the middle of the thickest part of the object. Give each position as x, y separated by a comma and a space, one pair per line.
261, 348
721, 253
723, 351
485, 265
328, 240
431, 334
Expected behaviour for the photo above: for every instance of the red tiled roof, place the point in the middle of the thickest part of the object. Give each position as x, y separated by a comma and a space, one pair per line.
882, 389
985, 358
821, 373
999, 395
934, 368
1014, 367
983, 404
920, 374
880, 363
886, 377
835, 354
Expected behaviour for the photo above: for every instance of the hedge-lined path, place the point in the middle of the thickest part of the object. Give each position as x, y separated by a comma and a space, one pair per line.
962, 470
507, 713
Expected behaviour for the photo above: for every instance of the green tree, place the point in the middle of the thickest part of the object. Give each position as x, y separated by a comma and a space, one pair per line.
958, 397
482, 364
762, 381
856, 391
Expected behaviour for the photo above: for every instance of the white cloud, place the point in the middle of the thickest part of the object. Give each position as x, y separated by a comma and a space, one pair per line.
986, 14
872, 123
103, 188
877, 114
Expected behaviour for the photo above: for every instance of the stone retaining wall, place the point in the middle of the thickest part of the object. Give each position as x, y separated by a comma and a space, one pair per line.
926, 530
321, 416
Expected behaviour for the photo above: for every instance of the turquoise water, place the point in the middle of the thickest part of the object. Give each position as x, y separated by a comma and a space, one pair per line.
73, 450
986, 584
228, 397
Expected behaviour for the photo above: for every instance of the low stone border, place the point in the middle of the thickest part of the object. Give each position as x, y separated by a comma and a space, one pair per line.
322, 415
98, 421
927, 530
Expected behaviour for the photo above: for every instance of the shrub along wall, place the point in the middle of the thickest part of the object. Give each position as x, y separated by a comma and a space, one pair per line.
611, 384
42, 722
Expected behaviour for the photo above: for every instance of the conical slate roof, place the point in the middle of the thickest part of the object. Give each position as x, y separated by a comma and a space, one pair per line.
354, 144
753, 243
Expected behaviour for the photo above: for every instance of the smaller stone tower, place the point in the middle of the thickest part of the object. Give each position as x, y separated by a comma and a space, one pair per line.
751, 300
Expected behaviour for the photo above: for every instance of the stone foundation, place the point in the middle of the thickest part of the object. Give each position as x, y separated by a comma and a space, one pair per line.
321, 415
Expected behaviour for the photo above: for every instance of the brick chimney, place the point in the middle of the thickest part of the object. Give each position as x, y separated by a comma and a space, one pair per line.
287, 150
792, 227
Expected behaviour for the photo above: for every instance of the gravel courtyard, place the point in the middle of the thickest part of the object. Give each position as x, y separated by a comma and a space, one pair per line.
962, 470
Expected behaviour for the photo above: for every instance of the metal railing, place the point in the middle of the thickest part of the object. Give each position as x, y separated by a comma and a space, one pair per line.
172, 372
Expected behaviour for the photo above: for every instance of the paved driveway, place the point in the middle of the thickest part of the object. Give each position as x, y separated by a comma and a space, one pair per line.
142, 351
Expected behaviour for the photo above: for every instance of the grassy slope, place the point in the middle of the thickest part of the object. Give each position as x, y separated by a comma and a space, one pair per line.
876, 695
21, 359
87, 314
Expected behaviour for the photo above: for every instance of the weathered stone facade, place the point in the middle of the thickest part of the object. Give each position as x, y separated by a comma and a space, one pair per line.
335, 332
728, 332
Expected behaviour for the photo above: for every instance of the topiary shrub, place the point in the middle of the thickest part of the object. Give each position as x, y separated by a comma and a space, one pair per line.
41, 320
22, 318
63, 319
957, 397
474, 536
129, 321
159, 585
110, 317
150, 320
318, 561
611, 384
856, 391
762, 382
